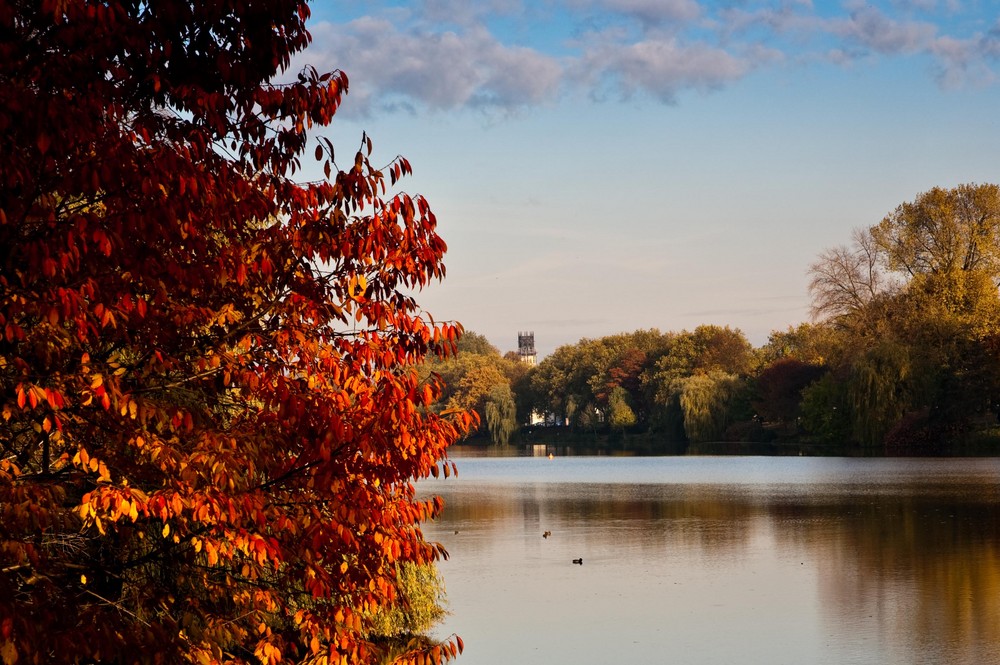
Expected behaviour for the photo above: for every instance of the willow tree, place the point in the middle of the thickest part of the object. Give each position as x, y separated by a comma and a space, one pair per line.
210, 417
706, 401
878, 391
501, 414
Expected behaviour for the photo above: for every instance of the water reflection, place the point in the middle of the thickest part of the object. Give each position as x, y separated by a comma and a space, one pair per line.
803, 561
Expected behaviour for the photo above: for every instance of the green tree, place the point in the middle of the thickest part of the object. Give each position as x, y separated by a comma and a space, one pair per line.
707, 402
877, 391
630, 357
419, 606
473, 342
708, 348
620, 414
826, 411
576, 382
478, 375
811, 343
528, 399
501, 414
470, 376
562, 382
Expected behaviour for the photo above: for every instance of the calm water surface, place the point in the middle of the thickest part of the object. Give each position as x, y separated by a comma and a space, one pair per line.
722, 560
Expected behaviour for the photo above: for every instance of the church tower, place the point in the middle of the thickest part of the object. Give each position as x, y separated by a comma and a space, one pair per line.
526, 348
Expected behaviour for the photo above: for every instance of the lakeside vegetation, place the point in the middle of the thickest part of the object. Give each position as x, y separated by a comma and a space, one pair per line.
902, 357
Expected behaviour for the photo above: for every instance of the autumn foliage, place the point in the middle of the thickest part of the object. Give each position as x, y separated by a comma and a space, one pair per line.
210, 421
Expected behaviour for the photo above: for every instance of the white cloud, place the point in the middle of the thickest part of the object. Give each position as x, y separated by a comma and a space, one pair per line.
443, 70
517, 75
662, 67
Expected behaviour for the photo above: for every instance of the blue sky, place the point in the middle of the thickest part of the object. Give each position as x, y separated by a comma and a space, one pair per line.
600, 166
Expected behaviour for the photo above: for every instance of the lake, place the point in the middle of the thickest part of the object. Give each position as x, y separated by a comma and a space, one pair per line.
722, 560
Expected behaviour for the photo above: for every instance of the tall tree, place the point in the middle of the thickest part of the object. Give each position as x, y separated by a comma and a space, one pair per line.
919, 349
943, 231
210, 420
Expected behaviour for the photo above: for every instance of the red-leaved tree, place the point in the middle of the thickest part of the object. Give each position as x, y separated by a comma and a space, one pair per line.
210, 421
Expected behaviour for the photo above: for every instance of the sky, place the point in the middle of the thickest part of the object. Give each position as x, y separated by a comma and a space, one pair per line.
604, 166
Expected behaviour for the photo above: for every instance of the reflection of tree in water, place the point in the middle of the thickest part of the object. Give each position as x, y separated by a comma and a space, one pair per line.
917, 571
923, 567
610, 518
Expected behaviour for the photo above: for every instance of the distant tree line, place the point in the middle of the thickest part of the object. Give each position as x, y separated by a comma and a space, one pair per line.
903, 355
